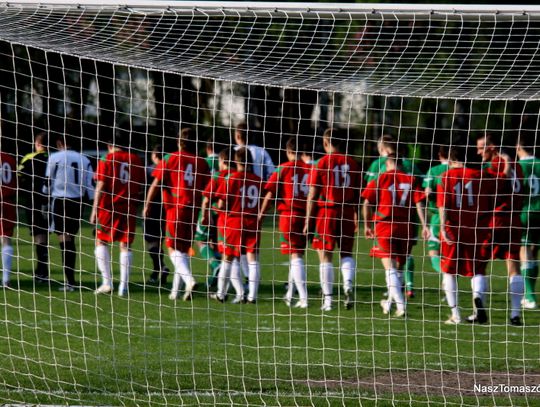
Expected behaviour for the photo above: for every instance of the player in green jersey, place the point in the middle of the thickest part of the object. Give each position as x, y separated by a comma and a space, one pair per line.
530, 216
375, 169
431, 180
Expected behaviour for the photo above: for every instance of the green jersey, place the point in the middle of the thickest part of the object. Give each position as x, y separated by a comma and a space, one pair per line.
531, 176
213, 163
431, 180
378, 166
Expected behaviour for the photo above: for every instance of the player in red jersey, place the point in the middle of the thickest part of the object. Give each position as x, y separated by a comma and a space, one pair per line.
395, 194
239, 198
505, 240
8, 212
289, 185
210, 199
182, 176
465, 200
119, 178
334, 191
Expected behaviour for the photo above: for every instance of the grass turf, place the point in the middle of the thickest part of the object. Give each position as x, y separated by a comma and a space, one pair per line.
79, 348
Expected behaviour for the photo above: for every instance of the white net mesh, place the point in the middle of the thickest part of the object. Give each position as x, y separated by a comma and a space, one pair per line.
142, 72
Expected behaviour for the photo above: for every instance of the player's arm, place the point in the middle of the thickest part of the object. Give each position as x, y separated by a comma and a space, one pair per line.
151, 195
367, 213
97, 194
266, 203
310, 203
444, 233
421, 209
205, 210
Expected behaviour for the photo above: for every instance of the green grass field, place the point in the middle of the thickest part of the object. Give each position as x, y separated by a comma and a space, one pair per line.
79, 348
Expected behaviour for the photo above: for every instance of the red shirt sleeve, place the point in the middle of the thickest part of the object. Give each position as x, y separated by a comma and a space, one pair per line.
101, 170
370, 191
272, 185
160, 169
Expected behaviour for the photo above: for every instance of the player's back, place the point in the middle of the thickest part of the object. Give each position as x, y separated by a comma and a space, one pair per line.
241, 194
531, 181
395, 194
8, 179
186, 175
338, 176
290, 185
70, 174
509, 188
467, 194
123, 176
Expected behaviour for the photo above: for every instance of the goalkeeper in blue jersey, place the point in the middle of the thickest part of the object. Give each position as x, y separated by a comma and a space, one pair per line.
385, 144
530, 216
431, 180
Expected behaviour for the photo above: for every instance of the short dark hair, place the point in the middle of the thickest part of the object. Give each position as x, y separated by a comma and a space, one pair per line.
187, 139
225, 155
443, 151
241, 129
292, 145
336, 137
158, 151
243, 156
390, 143
527, 141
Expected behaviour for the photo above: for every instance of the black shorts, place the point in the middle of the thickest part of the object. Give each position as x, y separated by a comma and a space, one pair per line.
154, 224
38, 221
67, 214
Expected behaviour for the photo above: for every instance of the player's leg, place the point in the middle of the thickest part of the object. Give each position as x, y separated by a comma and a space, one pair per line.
203, 239
237, 281
348, 264
449, 267
299, 277
103, 260
293, 243
39, 231
7, 259
393, 284
7, 225
326, 275
409, 265
254, 278
529, 264
126, 260
68, 214
224, 277
516, 288
434, 244
179, 239
450, 288
101, 252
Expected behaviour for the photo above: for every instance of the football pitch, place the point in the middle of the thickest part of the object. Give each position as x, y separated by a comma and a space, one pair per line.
79, 348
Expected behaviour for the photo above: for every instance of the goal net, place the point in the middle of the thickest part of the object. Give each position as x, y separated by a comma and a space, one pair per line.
114, 74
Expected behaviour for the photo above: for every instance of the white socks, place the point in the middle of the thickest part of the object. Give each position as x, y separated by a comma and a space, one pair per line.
254, 279
348, 269
393, 283
7, 259
450, 289
326, 274
479, 286
298, 274
237, 279
517, 288
223, 279
126, 258
103, 260
181, 271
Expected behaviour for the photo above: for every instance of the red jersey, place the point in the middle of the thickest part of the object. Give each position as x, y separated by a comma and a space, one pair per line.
8, 177
213, 186
185, 176
289, 184
509, 189
241, 193
123, 175
395, 194
467, 195
338, 176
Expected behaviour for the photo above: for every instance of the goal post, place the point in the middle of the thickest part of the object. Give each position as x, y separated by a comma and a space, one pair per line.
137, 73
